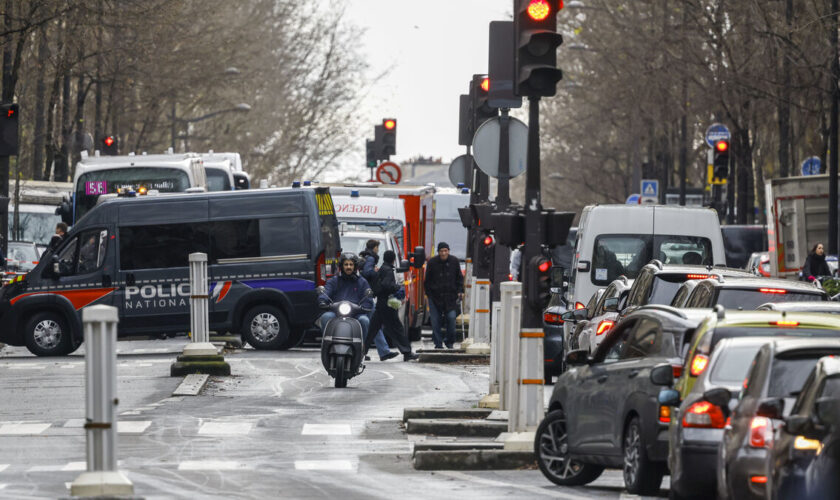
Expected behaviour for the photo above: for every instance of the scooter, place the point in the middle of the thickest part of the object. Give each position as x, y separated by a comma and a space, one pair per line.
342, 344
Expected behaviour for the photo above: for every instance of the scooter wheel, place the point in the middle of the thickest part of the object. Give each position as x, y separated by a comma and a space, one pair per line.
340, 371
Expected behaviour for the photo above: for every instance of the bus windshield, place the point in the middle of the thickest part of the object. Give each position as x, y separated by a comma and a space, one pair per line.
91, 185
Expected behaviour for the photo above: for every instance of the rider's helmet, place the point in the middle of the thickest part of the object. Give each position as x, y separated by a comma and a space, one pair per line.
348, 256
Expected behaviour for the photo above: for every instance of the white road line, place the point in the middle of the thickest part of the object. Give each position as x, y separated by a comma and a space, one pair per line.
3, 467
333, 465
139, 351
325, 430
130, 412
550, 492
70, 365
74, 423
22, 429
210, 465
2, 486
74, 467
133, 426
224, 428
27, 367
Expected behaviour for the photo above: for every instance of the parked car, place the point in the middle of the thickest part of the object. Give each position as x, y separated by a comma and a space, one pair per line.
814, 307
696, 425
605, 315
22, 257
604, 412
749, 293
776, 375
810, 419
821, 478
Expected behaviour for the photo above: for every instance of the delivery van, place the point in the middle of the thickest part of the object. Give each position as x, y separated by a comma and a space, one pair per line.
267, 251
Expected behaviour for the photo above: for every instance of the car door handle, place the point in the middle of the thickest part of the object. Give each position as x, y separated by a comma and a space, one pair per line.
602, 379
633, 374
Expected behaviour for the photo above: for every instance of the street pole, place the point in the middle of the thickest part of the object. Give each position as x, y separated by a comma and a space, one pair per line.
832, 144
174, 128
501, 258
531, 322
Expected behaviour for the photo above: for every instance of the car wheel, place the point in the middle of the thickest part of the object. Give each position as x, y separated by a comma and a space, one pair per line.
551, 447
48, 334
265, 327
641, 476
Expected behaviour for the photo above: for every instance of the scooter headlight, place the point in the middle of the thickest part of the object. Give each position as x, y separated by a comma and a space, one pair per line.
344, 309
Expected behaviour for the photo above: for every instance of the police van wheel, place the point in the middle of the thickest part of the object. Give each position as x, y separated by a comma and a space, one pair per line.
47, 334
265, 327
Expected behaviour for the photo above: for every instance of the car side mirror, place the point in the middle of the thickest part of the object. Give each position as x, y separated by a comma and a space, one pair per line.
827, 411
669, 397
568, 316
578, 358
771, 408
65, 212
797, 424
581, 314
241, 181
418, 257
611, 304
718, 396
558, 277
662, 374
54, 267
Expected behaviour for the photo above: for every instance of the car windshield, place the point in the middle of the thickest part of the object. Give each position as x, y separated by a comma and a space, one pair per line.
453, 234
665, 287
356, 244
37, 226
725, 332
831, 388
732, 365
788, 376
749, 299
93, 184
617, 255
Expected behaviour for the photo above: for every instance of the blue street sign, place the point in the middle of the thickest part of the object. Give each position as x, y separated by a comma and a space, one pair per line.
717, 132
650, 188
633, 199
811, 166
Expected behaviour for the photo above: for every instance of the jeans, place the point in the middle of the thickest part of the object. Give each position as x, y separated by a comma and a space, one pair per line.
363, 320
437, 315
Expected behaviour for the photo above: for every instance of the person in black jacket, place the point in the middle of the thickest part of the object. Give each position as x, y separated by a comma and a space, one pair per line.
815, 264
384, 315
371, 257
60, 233
444, 286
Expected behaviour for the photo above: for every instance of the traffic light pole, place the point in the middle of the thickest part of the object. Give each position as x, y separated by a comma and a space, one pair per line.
532, 316
501, 258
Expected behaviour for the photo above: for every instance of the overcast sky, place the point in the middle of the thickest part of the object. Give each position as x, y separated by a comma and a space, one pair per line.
431, 49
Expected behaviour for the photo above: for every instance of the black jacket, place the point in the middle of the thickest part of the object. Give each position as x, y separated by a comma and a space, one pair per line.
444, 281
815, 265
386, 285
368, 268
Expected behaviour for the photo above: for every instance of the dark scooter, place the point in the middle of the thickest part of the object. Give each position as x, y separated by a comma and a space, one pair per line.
342, 344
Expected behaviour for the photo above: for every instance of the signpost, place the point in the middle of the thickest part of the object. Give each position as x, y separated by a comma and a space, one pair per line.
460, 170
633, 199
388, 172
650, 191
811, 166
486, 147
717, 132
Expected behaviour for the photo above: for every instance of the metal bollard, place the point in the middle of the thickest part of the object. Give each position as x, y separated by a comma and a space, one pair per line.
512, 355
506, 328
199, 309
480, 318
495, 350
531, 405
102, 477
471, 286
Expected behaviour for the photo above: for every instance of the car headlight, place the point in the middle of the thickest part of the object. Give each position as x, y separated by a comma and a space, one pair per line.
344, 309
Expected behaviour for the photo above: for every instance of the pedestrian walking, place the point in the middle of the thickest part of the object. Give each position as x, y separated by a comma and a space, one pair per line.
371, 257
389, 297
60, 233
444, 287
815, 264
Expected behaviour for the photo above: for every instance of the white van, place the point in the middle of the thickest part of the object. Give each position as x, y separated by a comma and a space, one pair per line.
448, 227
618, 240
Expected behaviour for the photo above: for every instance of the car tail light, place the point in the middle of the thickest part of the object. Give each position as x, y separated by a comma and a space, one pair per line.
321, 270
552, 319
761, 432
758, 479
35, 262
704, 414
579, 305
604, 326
785, 323
698, 364
677, 370
665, 414
773, 290
696, 276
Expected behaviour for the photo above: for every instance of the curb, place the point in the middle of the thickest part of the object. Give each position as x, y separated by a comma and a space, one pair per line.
473, 359
432, 413
209, 365
457, 446
441, 351
455, 427
473, 460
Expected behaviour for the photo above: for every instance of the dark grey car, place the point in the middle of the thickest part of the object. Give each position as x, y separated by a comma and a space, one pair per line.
604, 411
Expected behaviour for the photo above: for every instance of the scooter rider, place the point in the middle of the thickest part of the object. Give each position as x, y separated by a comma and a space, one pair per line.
347, 286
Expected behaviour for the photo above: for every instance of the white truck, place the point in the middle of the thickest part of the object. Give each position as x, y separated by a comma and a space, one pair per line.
35, 212
797, 219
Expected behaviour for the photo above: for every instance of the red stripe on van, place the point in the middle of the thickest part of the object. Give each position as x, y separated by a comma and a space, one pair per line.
79, 298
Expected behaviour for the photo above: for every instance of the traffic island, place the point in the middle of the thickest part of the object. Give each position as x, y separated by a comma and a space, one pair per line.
207, 364
455, 427
451, 413
473, 460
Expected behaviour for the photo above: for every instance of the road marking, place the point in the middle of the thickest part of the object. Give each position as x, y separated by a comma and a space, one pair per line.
68, 467
22, 429
27, 367
224, 428
3, 467
325, 430
133, 426
70, 365
551, 492
2, 486
74, 423
74, 467
334, 465
210, 465
130, 412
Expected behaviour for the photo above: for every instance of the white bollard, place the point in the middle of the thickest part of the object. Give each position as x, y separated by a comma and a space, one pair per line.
480, 318
512, 359
531, 379
102, 477
504, 361
495, 349
471, 287
199, 309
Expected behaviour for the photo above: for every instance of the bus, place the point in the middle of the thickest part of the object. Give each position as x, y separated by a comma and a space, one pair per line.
224, 171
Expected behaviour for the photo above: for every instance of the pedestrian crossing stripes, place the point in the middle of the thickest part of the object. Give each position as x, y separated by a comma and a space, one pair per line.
224, 428
3, 467
211, 465
22, 429
326, 430
331, 465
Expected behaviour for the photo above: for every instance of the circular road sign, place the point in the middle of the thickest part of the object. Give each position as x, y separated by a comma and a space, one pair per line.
811, 166
388, 172
460, 170
717, 132
486, 147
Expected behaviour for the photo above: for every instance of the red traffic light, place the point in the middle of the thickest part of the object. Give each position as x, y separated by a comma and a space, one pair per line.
485, 85
10, 113
389, 124
544, 266
722, 146
109, 141
538, 10
488, 240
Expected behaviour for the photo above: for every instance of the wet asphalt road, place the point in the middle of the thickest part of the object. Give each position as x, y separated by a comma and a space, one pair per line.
277, 428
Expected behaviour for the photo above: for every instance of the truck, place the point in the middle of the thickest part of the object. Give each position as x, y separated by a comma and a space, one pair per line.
35, 208
797, 219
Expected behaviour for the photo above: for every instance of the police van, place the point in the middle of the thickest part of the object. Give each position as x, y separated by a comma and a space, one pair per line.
267, 251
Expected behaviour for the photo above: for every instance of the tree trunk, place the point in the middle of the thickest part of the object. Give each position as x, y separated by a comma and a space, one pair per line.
40, 106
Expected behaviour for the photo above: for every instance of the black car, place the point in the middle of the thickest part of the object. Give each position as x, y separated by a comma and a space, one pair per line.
749, 293
813, 417
604, 410
776, 375
657, 283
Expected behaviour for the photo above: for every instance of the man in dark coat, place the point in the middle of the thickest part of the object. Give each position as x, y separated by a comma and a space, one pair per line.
371, 257
444, 287
347, 286
386, 316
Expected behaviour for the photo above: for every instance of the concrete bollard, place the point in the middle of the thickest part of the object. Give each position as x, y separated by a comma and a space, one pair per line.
199, 356
504, 363
102, 477
511, 387
527, 403
495, 349
480, 318
470, 286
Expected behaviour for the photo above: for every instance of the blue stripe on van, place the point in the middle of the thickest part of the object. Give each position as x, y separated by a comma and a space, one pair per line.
284, 284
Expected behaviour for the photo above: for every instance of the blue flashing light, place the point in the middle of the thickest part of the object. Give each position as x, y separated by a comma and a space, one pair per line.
295, 184
307, 183
461, 185
354, 194
465, 190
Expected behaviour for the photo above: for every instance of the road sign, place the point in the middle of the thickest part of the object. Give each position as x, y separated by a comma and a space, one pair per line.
650, 191
633, 199
388, 172
717, 132
486, 147
460, 171
811, 166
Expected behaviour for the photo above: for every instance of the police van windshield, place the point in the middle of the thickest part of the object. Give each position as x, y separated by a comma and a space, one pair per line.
91, 185
218, 179
618, 254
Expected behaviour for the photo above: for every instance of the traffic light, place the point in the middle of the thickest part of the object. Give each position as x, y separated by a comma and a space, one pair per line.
389, 137
8, 129
538, 281
109, 145
479, 93
370, 153
486, 252
535, 51
721, 160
